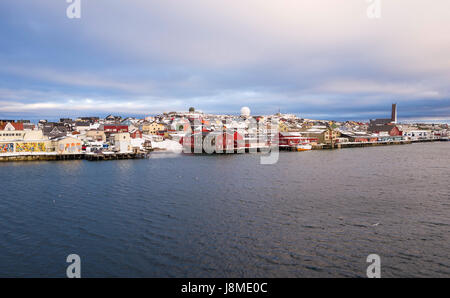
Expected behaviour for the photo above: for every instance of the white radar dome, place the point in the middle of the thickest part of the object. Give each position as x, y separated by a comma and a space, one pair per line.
245, 111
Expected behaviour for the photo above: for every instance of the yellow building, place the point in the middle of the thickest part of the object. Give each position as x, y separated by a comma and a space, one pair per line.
152, 128
331, 135
287, 127
283, 127
96, 135
323, 136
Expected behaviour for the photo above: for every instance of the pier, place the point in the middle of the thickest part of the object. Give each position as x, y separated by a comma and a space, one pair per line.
61, 157
114, 156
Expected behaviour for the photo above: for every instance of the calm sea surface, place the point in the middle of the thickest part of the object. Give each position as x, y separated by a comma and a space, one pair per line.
313, 214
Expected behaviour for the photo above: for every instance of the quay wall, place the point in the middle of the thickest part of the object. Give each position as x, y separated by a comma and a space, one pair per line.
358, 145
58, 157
40, 157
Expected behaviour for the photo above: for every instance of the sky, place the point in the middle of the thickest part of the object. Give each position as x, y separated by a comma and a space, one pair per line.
320, 59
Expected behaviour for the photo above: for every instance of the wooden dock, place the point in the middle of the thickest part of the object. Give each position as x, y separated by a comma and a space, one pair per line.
114, 156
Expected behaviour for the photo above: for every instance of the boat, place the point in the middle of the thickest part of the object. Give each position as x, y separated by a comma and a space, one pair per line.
304, 147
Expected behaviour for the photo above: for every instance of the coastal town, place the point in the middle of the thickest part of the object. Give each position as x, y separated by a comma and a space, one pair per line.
114, 137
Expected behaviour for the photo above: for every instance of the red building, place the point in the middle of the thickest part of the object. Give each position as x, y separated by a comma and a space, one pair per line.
115, 128
391, 129
292, 139
219, 141
137, 134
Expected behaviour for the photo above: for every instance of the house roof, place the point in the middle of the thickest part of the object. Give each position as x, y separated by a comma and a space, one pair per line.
16, 126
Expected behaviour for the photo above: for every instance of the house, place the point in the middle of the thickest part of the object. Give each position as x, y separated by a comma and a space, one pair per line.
153, 128
114, 128
130, 122
360, 137
322, 134
416, 134
283, 127
136, 134
292, 139
53, 130
29, 126
121, 142
88, 119
388, 129
113, 119
82, 126
96, 135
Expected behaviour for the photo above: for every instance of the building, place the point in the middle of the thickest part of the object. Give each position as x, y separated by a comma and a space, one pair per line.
23, 141
121, 142
89, 119
53, 130
96, 135
82, 126
359, 137
385, 121
210, 142
292, 139
153, 128
323, 135
12, 134
115, 128
416, 135
113, 119
136, 134
385, 129
11, 126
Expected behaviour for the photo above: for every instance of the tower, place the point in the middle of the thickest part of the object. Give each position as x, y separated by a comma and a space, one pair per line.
394, 113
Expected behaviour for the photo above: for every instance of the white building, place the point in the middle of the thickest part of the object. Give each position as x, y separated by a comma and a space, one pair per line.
415, 135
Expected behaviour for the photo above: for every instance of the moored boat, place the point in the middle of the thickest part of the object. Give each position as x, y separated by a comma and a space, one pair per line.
304, 147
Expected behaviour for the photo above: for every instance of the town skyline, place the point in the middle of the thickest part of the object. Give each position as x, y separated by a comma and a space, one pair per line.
100, 115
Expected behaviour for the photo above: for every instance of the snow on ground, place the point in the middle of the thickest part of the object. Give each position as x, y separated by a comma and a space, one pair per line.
169, 146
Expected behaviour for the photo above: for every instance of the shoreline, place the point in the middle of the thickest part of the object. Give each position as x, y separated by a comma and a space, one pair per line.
51, 156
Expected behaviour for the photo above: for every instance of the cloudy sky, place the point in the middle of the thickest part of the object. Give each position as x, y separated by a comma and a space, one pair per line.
321, 59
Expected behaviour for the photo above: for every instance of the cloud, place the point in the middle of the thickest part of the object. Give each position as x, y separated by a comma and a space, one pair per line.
412, 91
322, 57
77, 79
